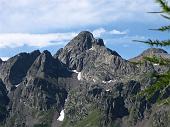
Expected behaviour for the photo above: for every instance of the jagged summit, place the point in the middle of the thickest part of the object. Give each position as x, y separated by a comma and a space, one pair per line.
89, 83
84, 43
35, 53
14, 69
88, 55
46, 66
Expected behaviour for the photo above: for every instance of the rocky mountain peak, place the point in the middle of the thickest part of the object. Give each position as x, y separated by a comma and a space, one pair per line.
89, 56
85, 34
73, 53
35, 53
89, 83
152, 51
45, 55
41, 62
83, 41
15, 69
46, 66
99, 42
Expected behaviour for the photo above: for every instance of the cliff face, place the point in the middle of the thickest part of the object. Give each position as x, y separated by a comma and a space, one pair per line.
85, 84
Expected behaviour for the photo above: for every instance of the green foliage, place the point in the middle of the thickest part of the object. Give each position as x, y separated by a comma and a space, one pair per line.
165, 13
162, 82
165, 101
163, 28
91, 120
155, 42
157, 60
46, 118
164, 6
137, 63
153, 59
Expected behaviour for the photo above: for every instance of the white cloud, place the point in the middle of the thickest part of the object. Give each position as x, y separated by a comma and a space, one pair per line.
14, 40
45, 15
101, 31
98, 32
126, 40
118, 32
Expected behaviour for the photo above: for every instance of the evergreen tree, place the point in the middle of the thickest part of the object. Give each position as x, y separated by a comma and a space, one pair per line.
165, 13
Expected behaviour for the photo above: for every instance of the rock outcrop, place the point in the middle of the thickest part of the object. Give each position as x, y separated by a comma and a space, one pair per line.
14, 70
85, 84
151, 52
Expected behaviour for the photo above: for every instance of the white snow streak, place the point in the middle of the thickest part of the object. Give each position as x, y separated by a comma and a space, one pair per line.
61, 117
17, 85
93, 48
79, 76
108, 81
108, 90
156, 64
75, 71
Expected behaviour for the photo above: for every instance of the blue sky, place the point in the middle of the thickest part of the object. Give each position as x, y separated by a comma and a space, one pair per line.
26, 25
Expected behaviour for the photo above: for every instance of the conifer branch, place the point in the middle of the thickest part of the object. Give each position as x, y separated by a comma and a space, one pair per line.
163, 28
155, 42
164, 6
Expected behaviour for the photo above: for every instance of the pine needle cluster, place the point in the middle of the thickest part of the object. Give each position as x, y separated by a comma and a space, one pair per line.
165, 13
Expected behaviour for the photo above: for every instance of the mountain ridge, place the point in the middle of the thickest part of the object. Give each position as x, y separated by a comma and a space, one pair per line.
88, 82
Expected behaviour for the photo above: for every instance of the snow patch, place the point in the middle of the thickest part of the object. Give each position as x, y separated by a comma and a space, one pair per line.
79, 76
94, 80
108, 81
61, 117
4, 58
156, 64
17, 85
93, 48
75, 71
108, 90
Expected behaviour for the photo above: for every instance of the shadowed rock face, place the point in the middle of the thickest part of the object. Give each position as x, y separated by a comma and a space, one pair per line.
4, 100
1, 61
44, 89
15, 69
92, 84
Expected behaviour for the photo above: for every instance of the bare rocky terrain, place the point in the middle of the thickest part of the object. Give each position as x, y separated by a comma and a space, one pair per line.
87, 83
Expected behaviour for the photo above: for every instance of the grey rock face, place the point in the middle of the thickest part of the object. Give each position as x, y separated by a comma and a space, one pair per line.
96, 62
151, 52
94, 86
76, 46
4, 100
14, 70
44, 90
